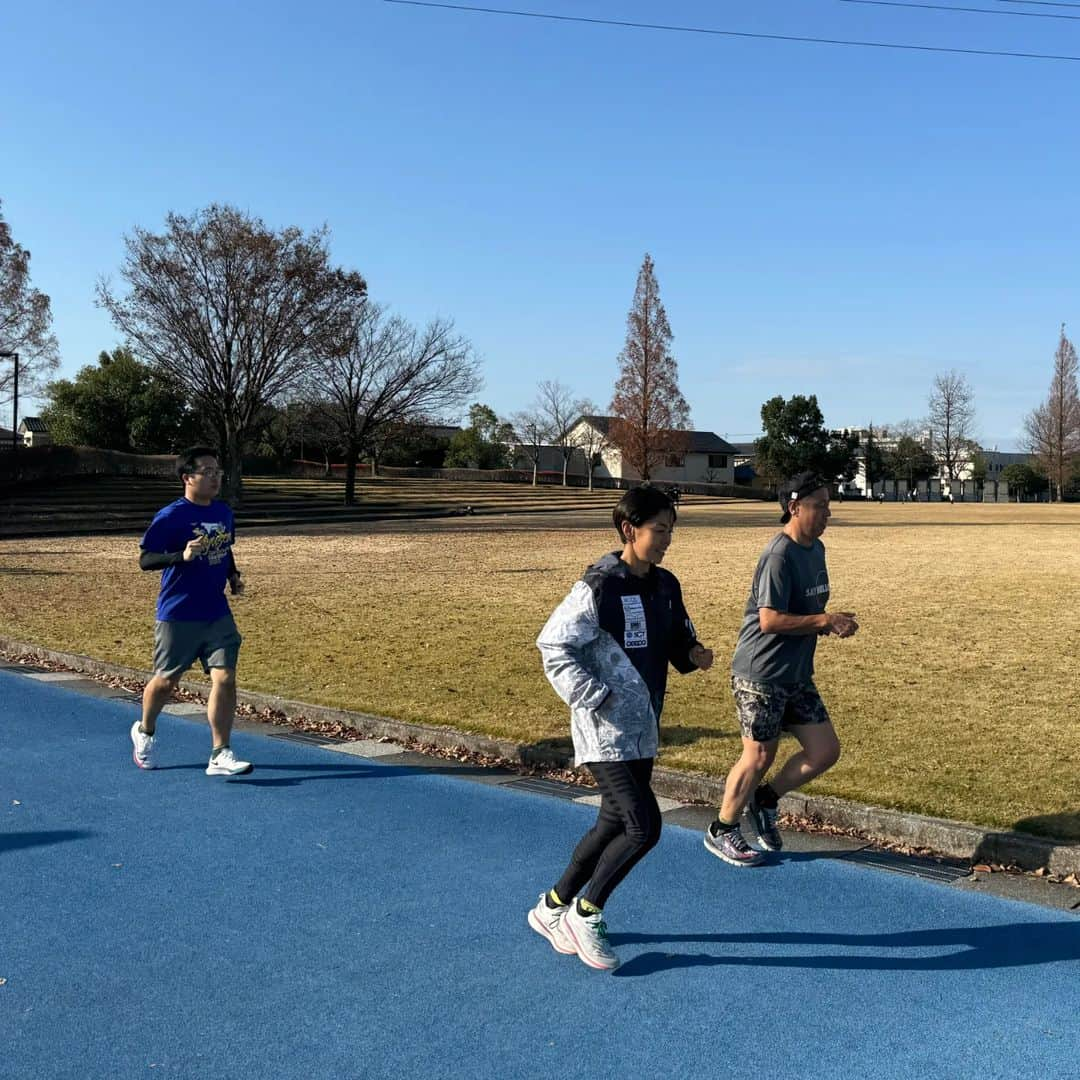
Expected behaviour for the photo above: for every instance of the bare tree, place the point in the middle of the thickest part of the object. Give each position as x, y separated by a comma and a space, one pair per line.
382, 437
385, 372
1052, 430
951, 420
532, 433
650, 413
391, 439
25, 321
312, 430
233, 310
592, 439
908, 428
560, 410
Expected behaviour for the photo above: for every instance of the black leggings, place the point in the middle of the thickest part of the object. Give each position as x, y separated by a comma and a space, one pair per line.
626, 830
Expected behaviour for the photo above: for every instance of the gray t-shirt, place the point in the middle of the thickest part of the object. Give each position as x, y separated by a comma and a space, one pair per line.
792, 579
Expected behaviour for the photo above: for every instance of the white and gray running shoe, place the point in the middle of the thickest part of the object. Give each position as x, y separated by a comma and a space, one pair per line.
588, 933
764, 821
228, 764
143, 747
731, 846
548, 923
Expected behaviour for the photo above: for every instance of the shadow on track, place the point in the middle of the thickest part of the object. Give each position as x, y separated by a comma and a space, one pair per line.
974, 948
15, 841
356, 771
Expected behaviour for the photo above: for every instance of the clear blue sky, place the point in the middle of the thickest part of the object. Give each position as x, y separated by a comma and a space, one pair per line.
829, 220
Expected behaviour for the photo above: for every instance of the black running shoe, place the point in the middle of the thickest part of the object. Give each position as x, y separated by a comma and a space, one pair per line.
764, 821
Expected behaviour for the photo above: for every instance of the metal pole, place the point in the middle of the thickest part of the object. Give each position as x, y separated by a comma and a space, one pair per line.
14, 415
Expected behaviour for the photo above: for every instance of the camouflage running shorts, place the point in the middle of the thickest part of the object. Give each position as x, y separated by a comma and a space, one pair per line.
764, 710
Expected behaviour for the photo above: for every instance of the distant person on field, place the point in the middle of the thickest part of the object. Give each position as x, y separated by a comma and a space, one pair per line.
191, 540
606, 650
772, 674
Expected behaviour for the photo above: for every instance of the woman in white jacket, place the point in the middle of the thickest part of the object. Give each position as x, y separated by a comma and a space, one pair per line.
606, 649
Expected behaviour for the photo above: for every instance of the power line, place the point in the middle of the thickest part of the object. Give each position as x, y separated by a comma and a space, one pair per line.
731, 33
965, 10
1041, 3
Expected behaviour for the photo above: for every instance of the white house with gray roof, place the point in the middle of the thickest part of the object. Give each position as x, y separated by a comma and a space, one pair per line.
34, 432
709, 459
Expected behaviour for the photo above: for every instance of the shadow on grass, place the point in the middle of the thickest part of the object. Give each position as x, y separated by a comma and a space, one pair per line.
937, 522
26, 571
23, 554
686, 736
1064, 827
971, 948
18, 840
546, 749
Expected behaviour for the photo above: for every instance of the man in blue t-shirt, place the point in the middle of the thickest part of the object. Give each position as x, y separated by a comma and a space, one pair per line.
191, 541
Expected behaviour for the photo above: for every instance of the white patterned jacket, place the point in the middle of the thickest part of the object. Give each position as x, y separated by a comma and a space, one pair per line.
606, 649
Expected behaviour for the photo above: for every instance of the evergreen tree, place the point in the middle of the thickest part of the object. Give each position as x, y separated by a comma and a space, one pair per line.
120, 404
796, 440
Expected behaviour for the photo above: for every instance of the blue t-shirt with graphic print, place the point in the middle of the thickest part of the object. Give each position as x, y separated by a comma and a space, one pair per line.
193, 591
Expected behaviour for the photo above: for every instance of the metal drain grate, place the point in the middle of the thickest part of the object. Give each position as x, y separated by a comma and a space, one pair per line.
539, 786
304, 737
926, 869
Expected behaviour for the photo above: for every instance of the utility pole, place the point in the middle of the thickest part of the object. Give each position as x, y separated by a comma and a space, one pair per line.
14, 415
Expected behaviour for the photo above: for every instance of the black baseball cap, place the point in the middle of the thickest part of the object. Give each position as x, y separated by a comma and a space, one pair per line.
798, 487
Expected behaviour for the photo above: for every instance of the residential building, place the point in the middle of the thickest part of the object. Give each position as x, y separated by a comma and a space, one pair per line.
34, 432
744, 459
709, 459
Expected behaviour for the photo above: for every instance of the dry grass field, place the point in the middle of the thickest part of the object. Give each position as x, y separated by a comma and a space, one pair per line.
957, 698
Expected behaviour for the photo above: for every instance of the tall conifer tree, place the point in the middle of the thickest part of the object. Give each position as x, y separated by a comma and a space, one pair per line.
650, 413
1053, 429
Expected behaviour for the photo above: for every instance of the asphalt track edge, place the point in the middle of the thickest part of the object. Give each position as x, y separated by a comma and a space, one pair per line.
954, 839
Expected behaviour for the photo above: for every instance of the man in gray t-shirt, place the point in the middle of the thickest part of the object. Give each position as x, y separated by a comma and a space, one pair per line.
772, 673
789, 578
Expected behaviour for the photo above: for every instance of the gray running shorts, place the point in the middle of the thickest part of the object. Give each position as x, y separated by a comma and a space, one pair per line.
177, 645
764, 709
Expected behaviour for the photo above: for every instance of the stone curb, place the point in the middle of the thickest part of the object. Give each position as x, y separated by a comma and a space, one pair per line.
955, 839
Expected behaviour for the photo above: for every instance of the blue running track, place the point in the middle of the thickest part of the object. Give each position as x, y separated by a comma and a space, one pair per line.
331, 916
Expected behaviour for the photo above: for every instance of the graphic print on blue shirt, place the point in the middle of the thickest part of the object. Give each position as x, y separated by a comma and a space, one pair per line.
193, 591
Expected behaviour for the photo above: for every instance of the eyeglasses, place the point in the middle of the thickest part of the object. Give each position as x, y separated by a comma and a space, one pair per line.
209, 472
